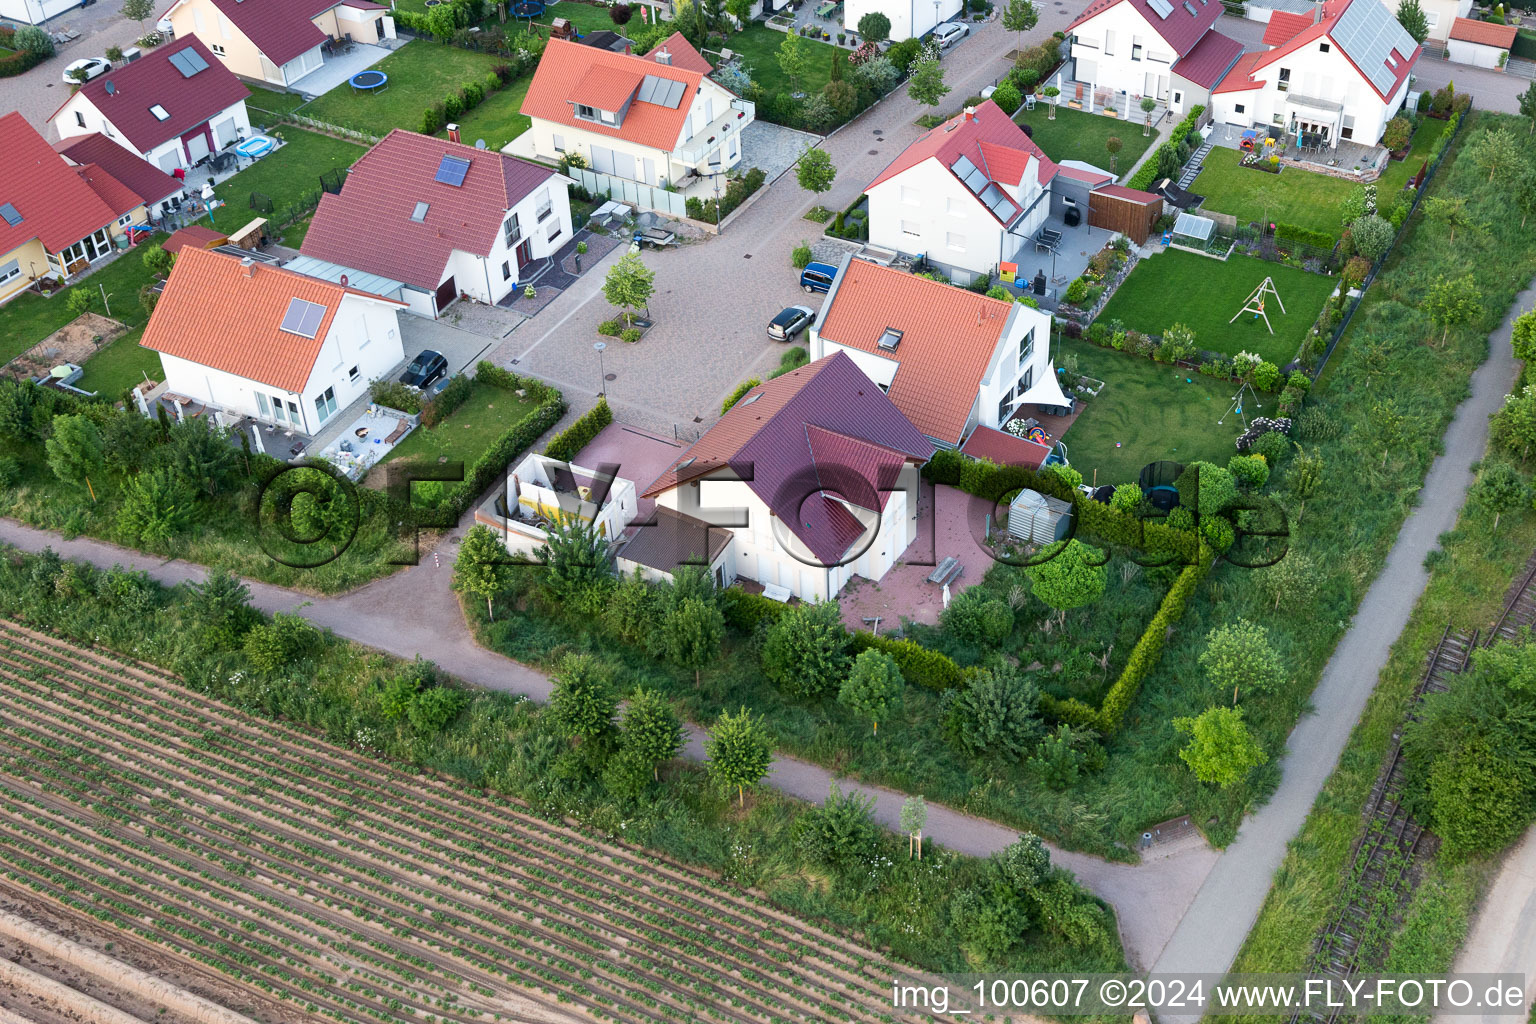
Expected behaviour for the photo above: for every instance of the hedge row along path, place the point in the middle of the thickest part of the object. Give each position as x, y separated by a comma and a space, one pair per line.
341, 885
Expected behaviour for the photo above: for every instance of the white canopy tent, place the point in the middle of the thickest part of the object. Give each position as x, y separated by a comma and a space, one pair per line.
1046, 391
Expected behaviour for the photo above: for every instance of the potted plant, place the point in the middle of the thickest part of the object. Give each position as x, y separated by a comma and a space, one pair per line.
581, 250
528, 291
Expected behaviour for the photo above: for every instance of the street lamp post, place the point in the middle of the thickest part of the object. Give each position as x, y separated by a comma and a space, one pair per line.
602, 377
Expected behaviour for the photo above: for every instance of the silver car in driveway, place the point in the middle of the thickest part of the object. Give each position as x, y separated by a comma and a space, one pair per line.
790, 322
950, 33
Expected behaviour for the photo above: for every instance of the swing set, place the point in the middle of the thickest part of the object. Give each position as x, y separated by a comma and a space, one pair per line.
1255, 303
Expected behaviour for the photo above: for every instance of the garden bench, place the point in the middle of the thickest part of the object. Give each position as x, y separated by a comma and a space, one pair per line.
941, 574
399, 431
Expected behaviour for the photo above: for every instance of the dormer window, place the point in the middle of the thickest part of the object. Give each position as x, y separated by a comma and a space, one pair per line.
590, 113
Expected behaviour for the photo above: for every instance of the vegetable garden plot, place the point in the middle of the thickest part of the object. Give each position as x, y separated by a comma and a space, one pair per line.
359, 892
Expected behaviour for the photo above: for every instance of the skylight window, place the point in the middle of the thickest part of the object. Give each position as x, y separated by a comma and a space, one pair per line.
420, 213
161, 114
451, 170
11, 215
751, 399
890, 339
303, 318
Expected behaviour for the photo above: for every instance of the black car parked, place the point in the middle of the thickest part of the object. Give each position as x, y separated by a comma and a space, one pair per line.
424, 369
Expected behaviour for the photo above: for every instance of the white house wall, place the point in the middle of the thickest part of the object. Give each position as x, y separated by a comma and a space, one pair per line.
909, 18
1103, 48
1475, 54
1328, 76
167, 155
35, 12
481, 277
926, 210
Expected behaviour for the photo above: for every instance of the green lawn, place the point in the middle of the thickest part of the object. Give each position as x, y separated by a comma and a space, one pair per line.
759, 46
1399, 171
286, 175
29, 318
1074, 135
120, 365
420, 73
1293, 196
465, 435
499, 119
271, 101
1203, 293
1151, 410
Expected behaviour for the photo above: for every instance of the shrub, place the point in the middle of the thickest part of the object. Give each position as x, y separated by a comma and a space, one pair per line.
995, 717
744, 612
567, 444
609, 328
453, 105
630, 335
1398, 132
1266, 376
1077, 291
1250, 471
10, 471
33, 40
1006, 95
442, 405
1371, 237
977, 619
394, 395
840, 834
1150, 170
429, 122
1273, 446
738, 394
801, 257
472, 94
805, 650
919, 665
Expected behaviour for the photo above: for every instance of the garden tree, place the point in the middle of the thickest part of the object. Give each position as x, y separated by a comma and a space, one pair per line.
1372, 236
927, 83
841, 834
1206, 488
874, 27
1148, 104
482, 567
157, 261
805, 651
794, 59
1528, 106
139, 11
79, 300
582, 703
1064, 754
632, 609
1291, 581
1499, 488
1126, 498
1113, 145
1522, 336
1020, 16
740, 10
1388, 428
320, 509
1397, 134
221, 608
1178, 343
1514, 425
620, 14
75, 451
1220, 749
200, 453
651, 730
1070, 578
873, 687
1453, 303
1050, 92
575, 554
994, 718
1498, 151
1448, 215
1239, 654
739, 750
1304, 477
841, 96
1411, 16
692, 633
33, 40
1524, 189
157, 507
815, 171
630, 283
914, 817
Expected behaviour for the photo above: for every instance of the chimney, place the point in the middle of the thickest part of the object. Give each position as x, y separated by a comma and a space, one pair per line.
663, 56
970, 113
249, 266
453, 133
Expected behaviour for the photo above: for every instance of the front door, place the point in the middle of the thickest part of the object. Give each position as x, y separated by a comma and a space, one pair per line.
1176, 105
524, 253
446, 293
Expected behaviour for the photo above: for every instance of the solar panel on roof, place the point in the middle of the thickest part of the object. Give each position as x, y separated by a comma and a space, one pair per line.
9, 212
1162, 7
451, 170
998, 202
675, 92
970, 174
648, 86
189, 62
303, 317
1369, 41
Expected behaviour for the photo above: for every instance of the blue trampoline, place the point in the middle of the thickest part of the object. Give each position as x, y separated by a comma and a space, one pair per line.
369, 81
528, 9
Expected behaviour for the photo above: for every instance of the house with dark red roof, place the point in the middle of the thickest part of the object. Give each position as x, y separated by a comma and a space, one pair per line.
56, 218
814, 475
443, 219
1339, 75
173, 107
1166, 49
278, 41
157, 191
655, 119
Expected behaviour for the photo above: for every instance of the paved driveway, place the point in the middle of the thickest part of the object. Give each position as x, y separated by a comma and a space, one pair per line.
462, 348
41, 91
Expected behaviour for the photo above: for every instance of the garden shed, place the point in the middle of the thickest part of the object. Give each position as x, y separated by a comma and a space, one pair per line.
1039, 518
1193, 231
1126, 210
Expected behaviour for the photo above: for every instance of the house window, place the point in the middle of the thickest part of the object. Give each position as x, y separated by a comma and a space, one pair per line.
957, 207
10, 271
545, 206
1026, 379
1005, 406
506, 271
325, 404
909, 228
513, 231
911, 196
1135, 51
1237, 108
263, 405
293, 413
218, 48
1109, 43
1284, 84
353, 376
1347, 129
559, 141
954, 241
1432, 18
1280, 119
1323, 47
555, 232
79, 119
1026, 346
122, 221
584, 111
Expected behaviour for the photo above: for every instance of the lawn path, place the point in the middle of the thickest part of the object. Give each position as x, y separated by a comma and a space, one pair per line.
1209, 936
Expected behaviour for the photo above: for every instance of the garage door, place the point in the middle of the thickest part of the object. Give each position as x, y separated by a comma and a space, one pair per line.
169, 161
197, 148
224, 132
446, 292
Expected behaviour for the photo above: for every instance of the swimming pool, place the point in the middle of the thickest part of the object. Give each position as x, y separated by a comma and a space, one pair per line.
256, 145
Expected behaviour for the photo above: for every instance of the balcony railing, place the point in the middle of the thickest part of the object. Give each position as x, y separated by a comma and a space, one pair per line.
736, 117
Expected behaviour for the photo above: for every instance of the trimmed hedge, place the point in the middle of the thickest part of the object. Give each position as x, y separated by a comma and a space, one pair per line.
497, 459
1143, 178
1149, 649
919, 666
743, 611
20, 62
1306, 236
447, 400
567, 444
737, 191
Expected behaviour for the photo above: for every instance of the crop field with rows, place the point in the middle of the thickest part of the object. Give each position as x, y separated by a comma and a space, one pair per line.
343, 888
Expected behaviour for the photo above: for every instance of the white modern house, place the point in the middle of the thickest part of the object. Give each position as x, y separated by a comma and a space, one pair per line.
654, 119
1165, 49
443, 219
278, 41
950, 360
173, 107
1340, 75
251, 339
909, 18
542, 491
34, 12
808, 480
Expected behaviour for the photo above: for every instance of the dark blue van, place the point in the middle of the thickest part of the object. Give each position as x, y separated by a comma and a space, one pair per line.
817, 277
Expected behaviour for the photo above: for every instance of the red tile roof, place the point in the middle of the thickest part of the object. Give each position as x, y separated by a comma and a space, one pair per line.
218, 313
607, 88
1004, 449
948, 338
194, 235
1284, 26
56, 205
564, 71
1081, 174
1485, 33
1240, 78
147, 181
118, 197
683, 54
153, 79
1180, 30
281, 29
1403, 50
1212, 57
369, 226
